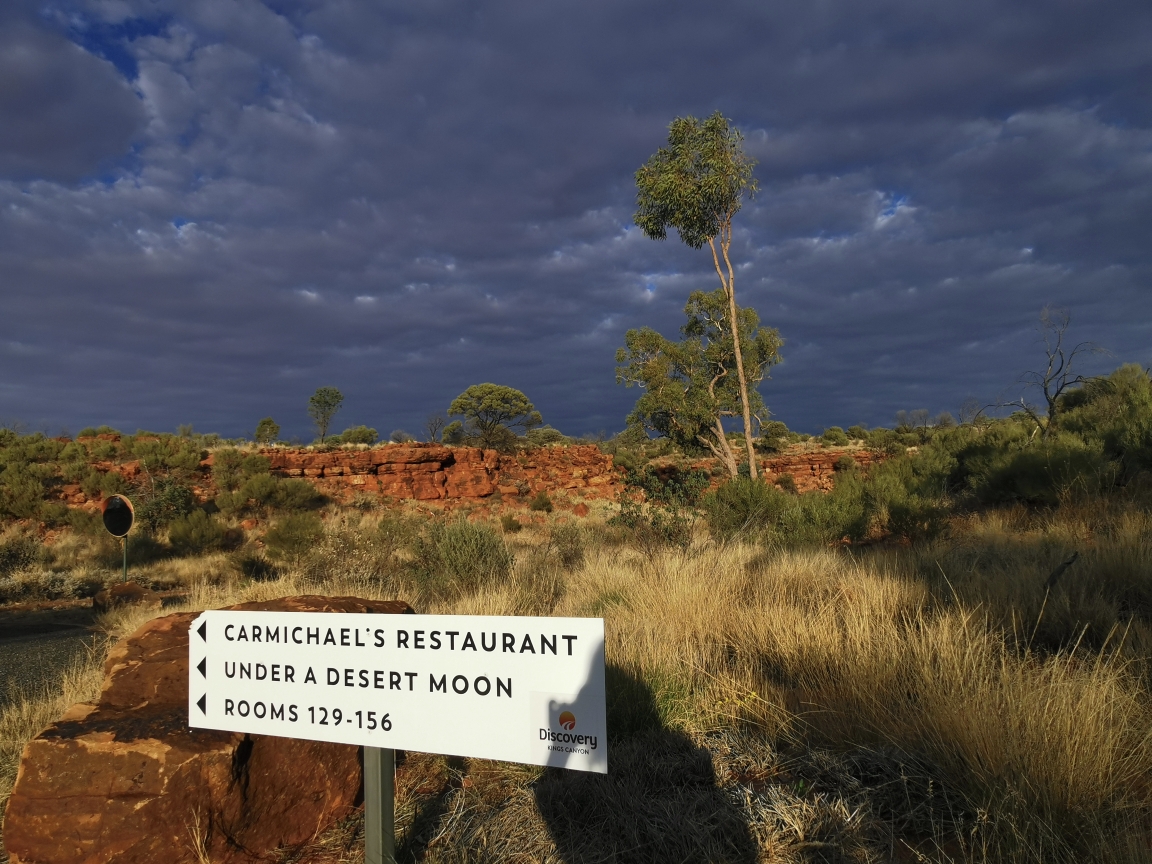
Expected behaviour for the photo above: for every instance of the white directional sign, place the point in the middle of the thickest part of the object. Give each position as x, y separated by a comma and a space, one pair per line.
516, 689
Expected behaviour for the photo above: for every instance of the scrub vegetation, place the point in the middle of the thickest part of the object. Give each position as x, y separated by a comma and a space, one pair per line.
945, 658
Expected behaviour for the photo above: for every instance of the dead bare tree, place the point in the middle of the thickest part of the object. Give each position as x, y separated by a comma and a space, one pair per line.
434, 426
971, 411
1058, 375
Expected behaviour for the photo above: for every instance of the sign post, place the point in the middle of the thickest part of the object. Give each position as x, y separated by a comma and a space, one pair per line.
119, 514
515, 689
379, 805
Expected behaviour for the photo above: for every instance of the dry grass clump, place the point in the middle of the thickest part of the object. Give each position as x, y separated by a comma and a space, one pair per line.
765, 704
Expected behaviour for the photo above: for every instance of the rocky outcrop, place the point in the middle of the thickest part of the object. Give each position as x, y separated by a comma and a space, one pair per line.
124, 779
432, 472
814, 470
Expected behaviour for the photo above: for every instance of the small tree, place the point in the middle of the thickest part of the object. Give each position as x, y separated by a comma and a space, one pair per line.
267, 431
491, 411
696, 185
690, 386
322, 407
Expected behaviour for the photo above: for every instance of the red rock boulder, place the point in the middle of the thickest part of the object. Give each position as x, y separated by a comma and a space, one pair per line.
124, 779
126, 594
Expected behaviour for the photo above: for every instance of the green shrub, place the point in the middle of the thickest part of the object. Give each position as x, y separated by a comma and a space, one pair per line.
53, 513
397, 531
195, 533
226, 472
627, 459
102, 451
786, 482
90, 482
669, 485
460, 557
357, 435
297, 494
17, 553
567, 541
885, 441
845, 463
1115, 412
74, 472
163, 502
835, 435
85, 523
164, 451
858, 433
1039, 473
774, 437
74, 452
294, 536
821, 518
541, 503
742, 505
774, 429
253, 464
21, 490
262, 490
265, 492
653, 527
230, 503
510, 524
113, 483
453, 433
545, 435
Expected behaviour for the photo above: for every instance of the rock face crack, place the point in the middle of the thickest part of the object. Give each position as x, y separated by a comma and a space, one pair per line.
240, 759
135, 785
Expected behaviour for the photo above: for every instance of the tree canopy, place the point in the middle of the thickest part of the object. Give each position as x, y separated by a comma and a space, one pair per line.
322, 407
267, 431
689, 385
696, 184
491, 411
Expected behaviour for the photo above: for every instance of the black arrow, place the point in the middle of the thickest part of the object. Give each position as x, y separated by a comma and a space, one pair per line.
203, 701
203, 667
203, 631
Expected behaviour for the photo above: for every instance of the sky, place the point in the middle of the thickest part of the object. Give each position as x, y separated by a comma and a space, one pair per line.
210, 208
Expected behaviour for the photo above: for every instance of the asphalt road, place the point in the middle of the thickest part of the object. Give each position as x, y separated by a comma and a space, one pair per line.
30, 664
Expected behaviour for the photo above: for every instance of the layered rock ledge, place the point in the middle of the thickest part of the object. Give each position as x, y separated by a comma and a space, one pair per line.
430, 472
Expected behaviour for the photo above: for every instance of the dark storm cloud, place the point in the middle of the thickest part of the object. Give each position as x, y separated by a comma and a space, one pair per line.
64, 113
405, 199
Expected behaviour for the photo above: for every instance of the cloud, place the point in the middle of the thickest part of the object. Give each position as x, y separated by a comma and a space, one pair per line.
233, 203
66, 114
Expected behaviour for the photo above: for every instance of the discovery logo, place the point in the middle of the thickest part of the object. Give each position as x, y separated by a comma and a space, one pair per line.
565, 741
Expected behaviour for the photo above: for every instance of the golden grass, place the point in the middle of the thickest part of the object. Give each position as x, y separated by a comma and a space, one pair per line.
921, 704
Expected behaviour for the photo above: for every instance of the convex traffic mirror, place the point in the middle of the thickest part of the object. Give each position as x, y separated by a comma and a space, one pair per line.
118, 515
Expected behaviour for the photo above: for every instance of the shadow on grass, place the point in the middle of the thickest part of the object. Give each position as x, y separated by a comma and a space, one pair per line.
431, 810
659, 802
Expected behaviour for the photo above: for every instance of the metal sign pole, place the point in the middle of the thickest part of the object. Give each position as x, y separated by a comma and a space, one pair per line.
124, 544
379, 805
